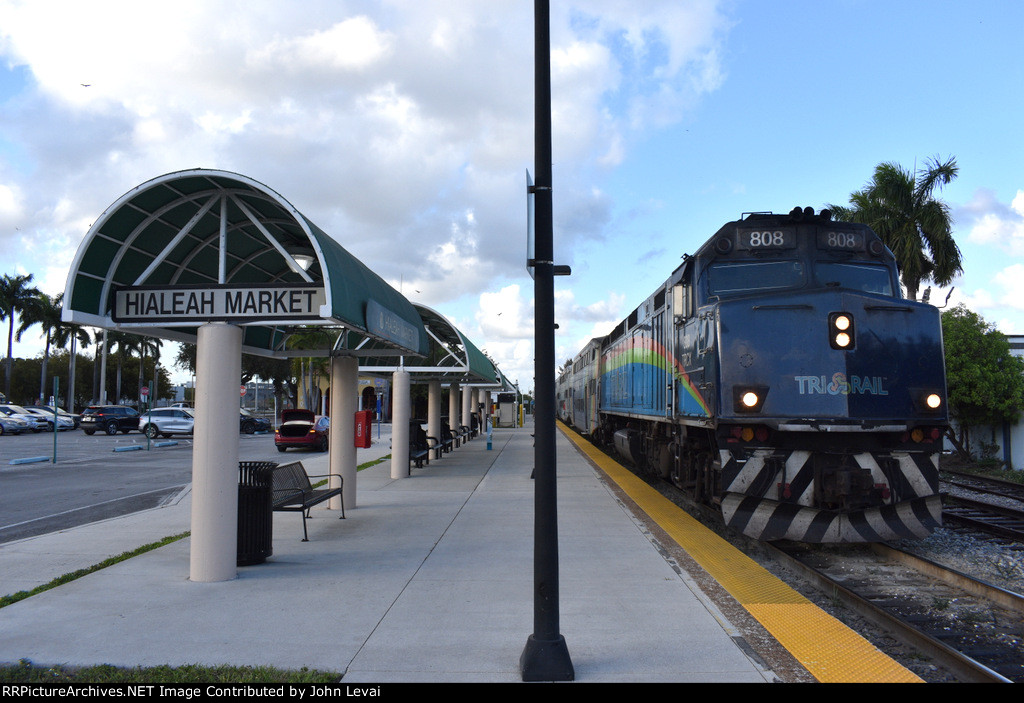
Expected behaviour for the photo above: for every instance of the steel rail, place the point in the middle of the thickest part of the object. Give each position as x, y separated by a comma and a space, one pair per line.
964, 667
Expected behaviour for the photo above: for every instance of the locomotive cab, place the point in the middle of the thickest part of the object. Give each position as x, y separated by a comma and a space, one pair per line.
780, 374
831, 395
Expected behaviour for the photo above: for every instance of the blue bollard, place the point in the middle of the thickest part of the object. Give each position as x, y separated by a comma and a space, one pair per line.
28, 460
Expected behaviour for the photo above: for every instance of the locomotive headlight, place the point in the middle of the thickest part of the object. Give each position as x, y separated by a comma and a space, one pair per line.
930, 401
840, 330
748, 399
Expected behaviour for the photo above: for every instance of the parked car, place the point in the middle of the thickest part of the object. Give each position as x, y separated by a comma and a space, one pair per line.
75, 419
34, 422
109, 418
250, 423
63, 421
302, 429
10, 424
166, 422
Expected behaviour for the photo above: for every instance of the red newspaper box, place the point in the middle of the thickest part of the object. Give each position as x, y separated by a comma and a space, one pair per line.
363, 429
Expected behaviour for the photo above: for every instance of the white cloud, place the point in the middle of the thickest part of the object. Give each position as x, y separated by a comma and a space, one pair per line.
11, 206
599, 312
506, 315
403, 130
352, 44
994, 223
1011, 280
978, 300
998, 304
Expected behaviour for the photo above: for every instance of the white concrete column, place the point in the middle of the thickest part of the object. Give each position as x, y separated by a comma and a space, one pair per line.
453, 407
344, 395
434, 414
400, 416
467, 406
214, 547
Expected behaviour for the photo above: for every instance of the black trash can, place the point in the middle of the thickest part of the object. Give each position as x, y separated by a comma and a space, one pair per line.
255, 511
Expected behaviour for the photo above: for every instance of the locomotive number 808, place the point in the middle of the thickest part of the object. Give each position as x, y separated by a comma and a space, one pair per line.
779, 375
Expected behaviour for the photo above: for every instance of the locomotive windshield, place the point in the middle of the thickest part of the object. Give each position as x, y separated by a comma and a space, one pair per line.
725, 279
863, 277
734, 278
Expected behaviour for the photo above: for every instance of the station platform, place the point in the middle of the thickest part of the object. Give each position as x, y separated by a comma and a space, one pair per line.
429, 579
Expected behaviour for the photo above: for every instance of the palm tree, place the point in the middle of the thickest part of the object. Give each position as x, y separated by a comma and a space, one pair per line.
65, 335
16, 296
152, 346
900, 207
46, 313
126, 344
310, 370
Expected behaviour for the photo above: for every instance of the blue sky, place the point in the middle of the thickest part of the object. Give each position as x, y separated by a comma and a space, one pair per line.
405, 129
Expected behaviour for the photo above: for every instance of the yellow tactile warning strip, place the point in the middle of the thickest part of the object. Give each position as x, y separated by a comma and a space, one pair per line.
828, 649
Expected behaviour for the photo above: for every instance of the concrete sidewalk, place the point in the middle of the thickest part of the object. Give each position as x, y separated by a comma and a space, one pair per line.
429, 579
35, 561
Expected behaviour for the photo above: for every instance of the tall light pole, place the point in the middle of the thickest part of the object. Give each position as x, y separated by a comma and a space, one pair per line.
546, 656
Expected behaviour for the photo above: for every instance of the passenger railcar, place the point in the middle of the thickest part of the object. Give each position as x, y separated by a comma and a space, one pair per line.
779, 375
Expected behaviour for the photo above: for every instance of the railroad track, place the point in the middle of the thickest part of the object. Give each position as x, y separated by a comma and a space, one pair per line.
969, 628
984, 484
992, 519
972, 629
990, 506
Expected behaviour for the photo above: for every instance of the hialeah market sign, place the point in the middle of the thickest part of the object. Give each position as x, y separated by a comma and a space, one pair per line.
189, 305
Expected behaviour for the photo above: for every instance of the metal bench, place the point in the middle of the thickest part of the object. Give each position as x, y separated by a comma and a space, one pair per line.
447, 438
419, 445
293, 492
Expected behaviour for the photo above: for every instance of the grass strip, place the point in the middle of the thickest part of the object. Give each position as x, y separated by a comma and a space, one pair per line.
60, 580
27, 672
367, 465
66, 578
373, 463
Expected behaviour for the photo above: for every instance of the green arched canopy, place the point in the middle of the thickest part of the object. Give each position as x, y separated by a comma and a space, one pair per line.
202, 245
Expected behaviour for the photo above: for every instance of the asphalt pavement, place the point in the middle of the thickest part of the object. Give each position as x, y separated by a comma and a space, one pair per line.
95, 477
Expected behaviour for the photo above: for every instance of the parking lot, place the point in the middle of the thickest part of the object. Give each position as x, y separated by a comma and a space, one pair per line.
91, 481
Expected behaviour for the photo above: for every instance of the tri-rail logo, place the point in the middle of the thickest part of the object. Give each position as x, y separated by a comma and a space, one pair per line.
839, 385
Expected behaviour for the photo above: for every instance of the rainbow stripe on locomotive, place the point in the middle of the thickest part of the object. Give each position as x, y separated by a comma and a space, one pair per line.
779, 375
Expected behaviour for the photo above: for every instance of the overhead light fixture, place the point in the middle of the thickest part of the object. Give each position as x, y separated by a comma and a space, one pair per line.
304, 260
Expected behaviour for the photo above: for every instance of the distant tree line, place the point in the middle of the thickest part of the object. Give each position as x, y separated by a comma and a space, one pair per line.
132, 359
985, 380
74, 353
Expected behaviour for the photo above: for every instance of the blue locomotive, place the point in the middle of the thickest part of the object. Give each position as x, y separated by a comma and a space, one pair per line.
779, 375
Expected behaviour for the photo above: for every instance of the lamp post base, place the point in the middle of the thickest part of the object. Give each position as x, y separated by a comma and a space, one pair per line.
546, 660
